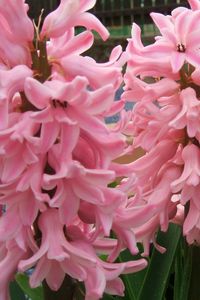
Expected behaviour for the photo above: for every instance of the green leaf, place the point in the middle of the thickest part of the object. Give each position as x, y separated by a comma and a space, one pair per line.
159, 270
16, 292
186, 275
178, 271
183, 269
23, 282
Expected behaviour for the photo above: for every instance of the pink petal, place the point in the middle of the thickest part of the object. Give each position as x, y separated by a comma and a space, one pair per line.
115, 287
41, 270
55, 276
13, 167
161, 21
37, 93
194, 4
10, 223
92, 23
73, 269
49, 134
177, 61
77, 45
69, 207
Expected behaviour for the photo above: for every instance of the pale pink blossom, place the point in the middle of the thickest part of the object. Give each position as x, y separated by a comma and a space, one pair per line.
151, 122
163, 81
146, 234
191, 224
83, 185
189, 115
16, 20
148, 165
143, 65
194, 4
16, 33
191, 171
69, 47
12, 81
65, 113
86, 66
180, 215
190, 192
137, 90
77, 258
69, 44
19, 144
180, 39
72, 13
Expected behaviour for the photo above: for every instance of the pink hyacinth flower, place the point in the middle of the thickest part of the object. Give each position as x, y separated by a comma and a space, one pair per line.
179, 40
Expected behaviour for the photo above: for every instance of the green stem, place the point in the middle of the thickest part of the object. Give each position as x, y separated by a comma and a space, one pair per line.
66, 290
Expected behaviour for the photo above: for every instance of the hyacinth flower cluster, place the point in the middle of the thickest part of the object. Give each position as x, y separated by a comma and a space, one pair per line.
56, 153
60, 216
163, 80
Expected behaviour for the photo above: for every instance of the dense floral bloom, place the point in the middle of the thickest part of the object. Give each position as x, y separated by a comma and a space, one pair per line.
76, 258
59, 212
163, 81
